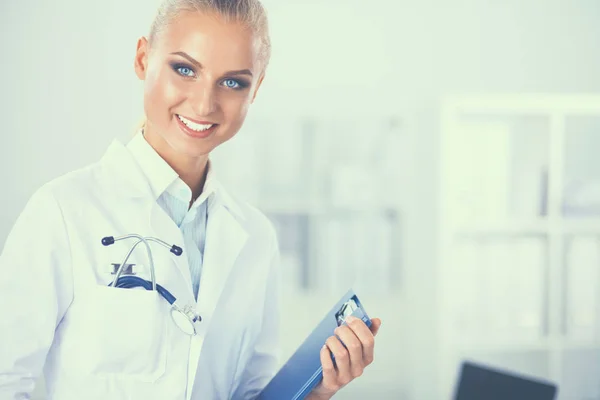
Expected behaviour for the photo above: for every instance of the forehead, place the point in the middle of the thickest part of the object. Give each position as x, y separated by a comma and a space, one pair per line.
211, 40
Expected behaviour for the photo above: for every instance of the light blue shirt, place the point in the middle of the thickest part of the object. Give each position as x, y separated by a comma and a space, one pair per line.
174, 196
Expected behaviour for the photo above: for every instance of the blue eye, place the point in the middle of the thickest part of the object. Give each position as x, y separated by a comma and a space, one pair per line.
231, 83
185, 71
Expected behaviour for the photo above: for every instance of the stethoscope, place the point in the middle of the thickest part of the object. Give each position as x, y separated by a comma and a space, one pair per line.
184, 317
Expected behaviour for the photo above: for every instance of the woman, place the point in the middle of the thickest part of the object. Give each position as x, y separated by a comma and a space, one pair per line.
202, 65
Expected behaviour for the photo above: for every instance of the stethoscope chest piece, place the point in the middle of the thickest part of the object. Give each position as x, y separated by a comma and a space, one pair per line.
186, 319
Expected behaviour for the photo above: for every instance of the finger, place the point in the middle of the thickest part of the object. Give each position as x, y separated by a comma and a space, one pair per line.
354, 347
366, 338
329, 372
375, 325
342, 359
359, 327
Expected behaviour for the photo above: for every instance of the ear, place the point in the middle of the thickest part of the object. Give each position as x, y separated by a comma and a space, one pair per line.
140, 63
260, 80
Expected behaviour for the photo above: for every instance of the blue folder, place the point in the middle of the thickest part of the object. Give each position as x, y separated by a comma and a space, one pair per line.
303, 371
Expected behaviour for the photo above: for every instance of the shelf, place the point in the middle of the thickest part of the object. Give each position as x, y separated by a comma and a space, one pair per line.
291, 207
567, 226
493, 346
583, 226
545, 104
520, 228
322, 209
580, 345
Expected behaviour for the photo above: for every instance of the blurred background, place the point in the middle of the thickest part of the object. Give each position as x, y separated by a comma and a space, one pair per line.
438, 156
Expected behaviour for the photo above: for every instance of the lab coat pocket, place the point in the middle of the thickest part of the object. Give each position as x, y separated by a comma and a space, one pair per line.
127, 333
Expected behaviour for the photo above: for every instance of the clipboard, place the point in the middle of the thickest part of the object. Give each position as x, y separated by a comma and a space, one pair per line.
303, 370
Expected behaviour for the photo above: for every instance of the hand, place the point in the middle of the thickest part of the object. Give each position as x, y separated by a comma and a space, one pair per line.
350, 361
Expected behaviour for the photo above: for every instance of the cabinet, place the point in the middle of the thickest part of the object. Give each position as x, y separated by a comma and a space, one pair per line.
519, 206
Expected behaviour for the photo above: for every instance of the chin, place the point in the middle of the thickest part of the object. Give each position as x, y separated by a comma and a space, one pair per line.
192, 149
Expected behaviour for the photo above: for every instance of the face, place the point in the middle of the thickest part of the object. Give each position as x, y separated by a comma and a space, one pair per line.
200, 76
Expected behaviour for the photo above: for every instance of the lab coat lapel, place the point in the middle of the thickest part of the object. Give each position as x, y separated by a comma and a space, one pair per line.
225, 238
125, 179
165, 229
121, 175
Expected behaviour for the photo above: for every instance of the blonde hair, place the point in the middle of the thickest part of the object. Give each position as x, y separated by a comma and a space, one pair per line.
250, 13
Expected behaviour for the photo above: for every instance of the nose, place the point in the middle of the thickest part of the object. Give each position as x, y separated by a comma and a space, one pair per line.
204, 99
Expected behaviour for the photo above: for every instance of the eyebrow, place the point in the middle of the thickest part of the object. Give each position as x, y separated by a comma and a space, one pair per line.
197, 64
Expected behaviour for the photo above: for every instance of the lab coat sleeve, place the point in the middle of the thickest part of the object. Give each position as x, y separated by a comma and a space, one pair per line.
264, 361
35, 291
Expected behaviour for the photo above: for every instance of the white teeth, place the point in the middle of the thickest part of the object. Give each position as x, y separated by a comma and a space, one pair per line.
194, 126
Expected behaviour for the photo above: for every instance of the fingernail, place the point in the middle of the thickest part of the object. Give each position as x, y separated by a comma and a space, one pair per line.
350, 319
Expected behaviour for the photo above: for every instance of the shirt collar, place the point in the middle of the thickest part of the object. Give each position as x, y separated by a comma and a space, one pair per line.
162, 177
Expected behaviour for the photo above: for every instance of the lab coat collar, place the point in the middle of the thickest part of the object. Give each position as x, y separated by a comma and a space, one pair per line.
128, 179
162, 177
158, 172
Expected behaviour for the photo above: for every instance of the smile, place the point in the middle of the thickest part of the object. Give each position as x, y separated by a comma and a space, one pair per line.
194, 125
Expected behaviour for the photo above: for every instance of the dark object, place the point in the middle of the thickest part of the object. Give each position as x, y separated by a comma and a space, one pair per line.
176, 250
479, 382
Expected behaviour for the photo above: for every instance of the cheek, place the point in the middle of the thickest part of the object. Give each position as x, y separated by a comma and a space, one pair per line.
235, 111
161, 93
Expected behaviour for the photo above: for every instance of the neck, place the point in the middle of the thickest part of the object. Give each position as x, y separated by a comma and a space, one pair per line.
192, 170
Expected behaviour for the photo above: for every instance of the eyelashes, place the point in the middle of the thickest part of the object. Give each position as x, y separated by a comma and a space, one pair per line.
188, 72
232, 84
184, 71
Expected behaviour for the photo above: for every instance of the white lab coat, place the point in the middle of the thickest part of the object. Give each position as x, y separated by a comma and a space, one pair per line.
95, 342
